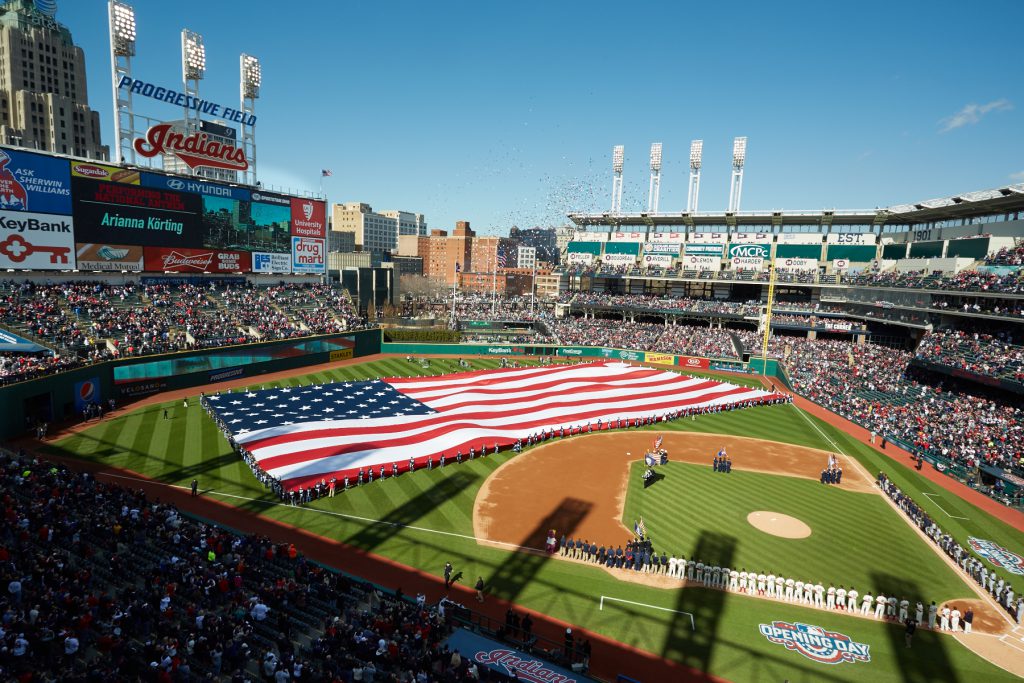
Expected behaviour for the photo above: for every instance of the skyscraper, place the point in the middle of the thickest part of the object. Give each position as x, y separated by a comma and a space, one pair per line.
44, 103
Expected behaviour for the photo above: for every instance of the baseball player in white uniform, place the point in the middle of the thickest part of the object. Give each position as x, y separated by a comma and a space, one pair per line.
819, 591
954, 619
932, 609
798, 591
840, 597
734, 577
851, 600
760, 583
830, 600
789, 590
880, 603
904, 608
919, 612
944, 619
865, 605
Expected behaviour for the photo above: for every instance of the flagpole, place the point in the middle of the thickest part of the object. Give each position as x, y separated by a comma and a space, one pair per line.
494, 284
533, 285
455, 283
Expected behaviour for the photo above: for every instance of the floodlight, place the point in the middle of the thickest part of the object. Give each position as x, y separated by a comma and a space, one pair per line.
739, 152
617, 154
193, 55
252, 76
656, 156
122, 27
696, 150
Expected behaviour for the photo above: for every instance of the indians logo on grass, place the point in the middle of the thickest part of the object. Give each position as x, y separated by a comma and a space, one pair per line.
998, 555
526, 668
815, 643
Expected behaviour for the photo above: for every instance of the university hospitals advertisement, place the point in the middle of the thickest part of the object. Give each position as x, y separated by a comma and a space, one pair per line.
140, 216
110, 257
180, 260
309, 255
36, 241
263, 262
33, 182
309, 218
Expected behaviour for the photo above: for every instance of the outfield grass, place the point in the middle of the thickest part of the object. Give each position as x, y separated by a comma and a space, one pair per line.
428, 520
853, 538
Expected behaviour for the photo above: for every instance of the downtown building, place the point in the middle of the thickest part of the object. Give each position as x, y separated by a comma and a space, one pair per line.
44, 102
373, 231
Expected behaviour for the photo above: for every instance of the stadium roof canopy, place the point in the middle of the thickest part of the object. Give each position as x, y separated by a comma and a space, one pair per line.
967, 205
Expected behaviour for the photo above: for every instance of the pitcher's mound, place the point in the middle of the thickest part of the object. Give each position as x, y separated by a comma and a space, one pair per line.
778, 524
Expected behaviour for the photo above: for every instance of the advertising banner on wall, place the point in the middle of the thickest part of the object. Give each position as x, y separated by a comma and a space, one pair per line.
309, 255
706, 237
87, 169
584, 236
747, 263
693, 363
580, 257
180, 260
748, 237
112, 257
658, 260
33, 182
661, 248
674, 237
663, 358
841, 263
627, 237
796, 264
128, 214
36, 241
704, 250
851, 238
194, 186
263, 262
701, 262
309, 218
87, 392
761, 251
800, 238
618, 259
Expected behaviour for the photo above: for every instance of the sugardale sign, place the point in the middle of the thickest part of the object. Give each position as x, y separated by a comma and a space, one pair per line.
194, 150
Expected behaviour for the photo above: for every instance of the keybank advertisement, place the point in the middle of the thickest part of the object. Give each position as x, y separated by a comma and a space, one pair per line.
33, 182
201, 187
309, 255
36, 241
263, 262
761, 251
140, 216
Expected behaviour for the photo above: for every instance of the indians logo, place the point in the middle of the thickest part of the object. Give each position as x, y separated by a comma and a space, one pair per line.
12, 193
526, 668
998, 555
87, 391
195, 150
816, 643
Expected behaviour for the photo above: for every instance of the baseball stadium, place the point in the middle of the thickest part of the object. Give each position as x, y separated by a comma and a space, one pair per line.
672, 446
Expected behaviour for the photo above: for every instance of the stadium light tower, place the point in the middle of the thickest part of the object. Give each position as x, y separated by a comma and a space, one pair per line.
121, 18
618, 154
193, 69
251, 77
696, 150
739, 158
655, 188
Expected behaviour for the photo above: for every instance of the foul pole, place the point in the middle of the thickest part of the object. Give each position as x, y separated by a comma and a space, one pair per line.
768, 317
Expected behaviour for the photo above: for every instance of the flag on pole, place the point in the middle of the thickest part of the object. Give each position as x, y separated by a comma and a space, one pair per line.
501, 260
639, 530
657, 442
302, 434
326, 173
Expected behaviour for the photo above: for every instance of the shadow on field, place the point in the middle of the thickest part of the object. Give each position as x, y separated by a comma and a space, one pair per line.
520, 568
927, 659
693, 645
373, 535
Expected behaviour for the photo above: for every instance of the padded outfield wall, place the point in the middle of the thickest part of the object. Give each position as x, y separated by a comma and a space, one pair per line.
60, 397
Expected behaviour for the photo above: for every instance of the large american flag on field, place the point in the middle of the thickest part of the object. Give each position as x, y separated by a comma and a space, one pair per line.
303, 434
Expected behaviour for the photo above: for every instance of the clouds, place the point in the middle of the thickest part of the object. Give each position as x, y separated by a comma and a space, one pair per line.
972, 114
1017, 177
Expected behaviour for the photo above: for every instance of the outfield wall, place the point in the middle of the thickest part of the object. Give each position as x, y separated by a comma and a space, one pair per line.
55, 398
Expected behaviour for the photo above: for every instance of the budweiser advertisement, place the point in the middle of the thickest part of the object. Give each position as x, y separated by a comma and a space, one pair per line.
195, 149
168, 259
693, 363
309, 218
112, 257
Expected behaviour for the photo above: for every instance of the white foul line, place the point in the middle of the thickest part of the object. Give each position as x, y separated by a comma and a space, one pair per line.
644, 604
368, 520
935, 495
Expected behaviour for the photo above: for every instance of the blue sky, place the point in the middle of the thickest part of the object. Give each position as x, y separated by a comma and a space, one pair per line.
506, 113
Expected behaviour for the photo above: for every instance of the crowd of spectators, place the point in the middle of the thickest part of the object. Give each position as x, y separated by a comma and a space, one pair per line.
102, 583
621, 334
964, 281
1007, 256
995, 356
87, 322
